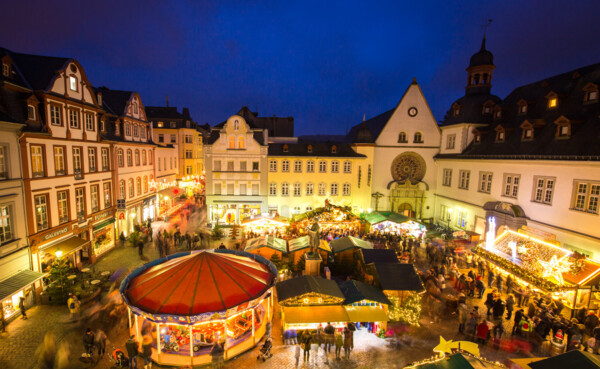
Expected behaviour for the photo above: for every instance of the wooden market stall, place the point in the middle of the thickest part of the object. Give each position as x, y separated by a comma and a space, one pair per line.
343, 248
261, 225
187, 301
297, 247
546, 267
332, 220
397, 280
394, 223
267, 246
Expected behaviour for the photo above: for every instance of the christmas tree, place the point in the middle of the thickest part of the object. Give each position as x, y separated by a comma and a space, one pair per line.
407, 311
58, 287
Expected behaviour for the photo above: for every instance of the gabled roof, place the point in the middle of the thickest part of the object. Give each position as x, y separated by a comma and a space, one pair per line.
271, 242
115, 100
355, 291
39, 70
215, 134
348, 242
398, 277
375, 126
277, 126
307, 284
318, 149
378, 256
570, 359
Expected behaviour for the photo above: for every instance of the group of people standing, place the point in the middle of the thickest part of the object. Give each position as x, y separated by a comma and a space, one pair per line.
322, 340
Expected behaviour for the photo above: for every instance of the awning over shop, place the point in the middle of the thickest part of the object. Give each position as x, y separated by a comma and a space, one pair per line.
366, 314
17, 282
271, 242
315, 314
67, 246
103, 224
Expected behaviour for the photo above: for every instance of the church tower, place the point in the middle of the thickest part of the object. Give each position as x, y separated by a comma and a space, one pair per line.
481, 67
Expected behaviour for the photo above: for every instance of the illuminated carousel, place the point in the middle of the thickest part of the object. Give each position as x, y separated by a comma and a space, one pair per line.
188, 301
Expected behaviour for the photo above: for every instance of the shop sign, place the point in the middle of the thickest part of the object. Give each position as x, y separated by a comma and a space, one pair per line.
102, 216
56, 233
121, 216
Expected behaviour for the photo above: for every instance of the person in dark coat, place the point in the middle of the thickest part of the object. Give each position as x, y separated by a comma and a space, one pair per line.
498, 309
88, 341
491, 279
217, 353
22, 307
590, 322
489, 302
140, 246
510, 306
518, 316
132, 351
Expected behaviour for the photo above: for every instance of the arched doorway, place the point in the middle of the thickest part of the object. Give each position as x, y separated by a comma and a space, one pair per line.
407, 198
405, 209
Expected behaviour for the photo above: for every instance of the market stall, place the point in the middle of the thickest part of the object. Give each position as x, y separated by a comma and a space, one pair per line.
394, 223
301, 245
546, 267
332, 220
261, 225
343, 248
267, 246
188, 301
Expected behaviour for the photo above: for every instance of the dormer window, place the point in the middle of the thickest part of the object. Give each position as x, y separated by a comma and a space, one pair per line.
527, 133
592, 96
286, 148
402, 137
5, 70
173, 124
522, 107
236, 124
333, 149
456, 110
552, 100
160, 124
309, 149
73, 83
488, 107
498, 114
590, 93
563, 127
418, 137
30, 112
477, 138
486, 110
500, 134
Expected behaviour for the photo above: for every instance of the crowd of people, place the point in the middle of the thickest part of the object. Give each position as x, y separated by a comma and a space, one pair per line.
320, 342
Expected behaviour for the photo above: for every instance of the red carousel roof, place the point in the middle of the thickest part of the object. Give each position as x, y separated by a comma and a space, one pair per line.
198, 283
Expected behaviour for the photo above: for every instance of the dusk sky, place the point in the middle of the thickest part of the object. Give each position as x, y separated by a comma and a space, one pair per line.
326, 63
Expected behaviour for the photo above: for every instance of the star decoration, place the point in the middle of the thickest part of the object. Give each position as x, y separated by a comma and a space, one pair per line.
554, 268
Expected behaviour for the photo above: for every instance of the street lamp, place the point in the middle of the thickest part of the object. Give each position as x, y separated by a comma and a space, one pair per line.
58, 253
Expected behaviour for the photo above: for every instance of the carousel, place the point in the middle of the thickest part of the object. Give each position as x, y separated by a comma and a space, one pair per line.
187, 301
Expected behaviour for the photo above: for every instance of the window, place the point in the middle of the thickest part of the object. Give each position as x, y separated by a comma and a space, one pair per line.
59, 160
189, 154
73, 83
188, 169
41, 212
285, 189
89, 122
333, 149
402, 137
129, 159
143, 132
161, 138
527, 134
463, 179
30, 112
120, 158
145, 184
272, 189
101, 126
522, 107
188, 139
5, 70
255, 167
297, 166
232, 142
243, 189
131, 189
477, 138
456, 110
334, 189
138, 186
511, 185
149, 157
591, 96
106, 189
62, 201
236, 124
346, 189
586, 198
418, 137
285, 148
94, 200
241, 143
445, 213
309, 149
544, 188
485, 182
144, 158
297, 189
92, 158
335, 166
37, 161
309, 189
450, 141
55, 115
173, 124
563, 128
285, 165
137, 158
273, 166
230, 167
217, 165
217, 189
80, 204
135, 130
347, 167
447, 177
552, 102
73, 119
106, 161
322, 189
310, 166
309, 208
461, 219
127, 129
160, 124
242, 166
500, 135
122, 190
322, 166
173, 138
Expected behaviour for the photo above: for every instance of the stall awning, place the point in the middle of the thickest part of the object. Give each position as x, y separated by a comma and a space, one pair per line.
315, 314
17, 282
366, 314
67, 246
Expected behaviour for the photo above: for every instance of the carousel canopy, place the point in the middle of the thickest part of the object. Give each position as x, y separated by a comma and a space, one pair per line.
271, 242
197, 282
571, 359
381, 216
303, 242
348, 242
356, 291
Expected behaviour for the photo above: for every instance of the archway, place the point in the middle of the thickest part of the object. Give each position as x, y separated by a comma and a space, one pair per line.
407, 198
405, 209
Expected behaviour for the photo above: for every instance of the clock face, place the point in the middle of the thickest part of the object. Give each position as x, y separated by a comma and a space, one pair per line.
408, 165
412, 111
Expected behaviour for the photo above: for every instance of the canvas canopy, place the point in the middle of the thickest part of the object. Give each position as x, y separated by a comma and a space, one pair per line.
381, 216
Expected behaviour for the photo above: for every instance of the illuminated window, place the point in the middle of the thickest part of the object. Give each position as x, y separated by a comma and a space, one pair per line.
160, 124
552, 102
241, 143
41, 212
73, 83
232, 142
346, 189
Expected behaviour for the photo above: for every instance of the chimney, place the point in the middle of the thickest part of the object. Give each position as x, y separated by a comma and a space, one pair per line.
167, 101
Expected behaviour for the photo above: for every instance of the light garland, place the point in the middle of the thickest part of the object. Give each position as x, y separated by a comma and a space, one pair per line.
555, 269
408, 311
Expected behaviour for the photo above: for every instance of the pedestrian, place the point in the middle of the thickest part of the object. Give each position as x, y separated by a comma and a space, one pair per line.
132, 351
88, 342
2, 321
339, 342
329, 332
22, 307
100, 341
306, 342
463, 310
140, 246
348, 342
510, 305
122, 238
297, 353
73, 305
147, 351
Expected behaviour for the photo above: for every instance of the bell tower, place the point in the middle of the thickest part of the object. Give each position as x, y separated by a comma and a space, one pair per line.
481, 67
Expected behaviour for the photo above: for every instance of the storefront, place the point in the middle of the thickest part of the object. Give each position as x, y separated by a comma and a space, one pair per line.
103, 233
149, 209
16, 281
546, 267
233, 213
192, 185
69, 247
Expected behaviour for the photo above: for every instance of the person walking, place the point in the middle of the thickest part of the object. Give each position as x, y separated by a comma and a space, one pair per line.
339, 342
348, 342
100, 341
217, 353
306, 342
132, 351
88, 342
510, 305
147, 351
329, 332
22, 308
140, 246
73, 305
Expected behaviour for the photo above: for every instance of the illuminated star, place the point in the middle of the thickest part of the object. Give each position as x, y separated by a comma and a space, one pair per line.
554, 268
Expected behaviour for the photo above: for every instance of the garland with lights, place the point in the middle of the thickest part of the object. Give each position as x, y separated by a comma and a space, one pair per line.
441, 357
409, 311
